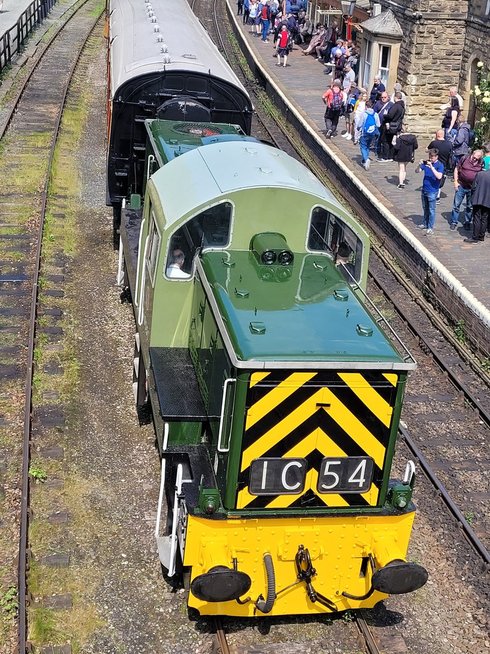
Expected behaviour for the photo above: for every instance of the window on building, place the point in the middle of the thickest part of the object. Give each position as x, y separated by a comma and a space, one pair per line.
366, 82
384, 63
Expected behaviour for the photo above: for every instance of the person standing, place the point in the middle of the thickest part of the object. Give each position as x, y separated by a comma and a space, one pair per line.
265, 16
450, 121
377, 90
369, 131
246, 11
444, 147
404, 149
433, 171
464, 175
335, 100
461, 143
283, 46
382, 106
481, 207
392, 125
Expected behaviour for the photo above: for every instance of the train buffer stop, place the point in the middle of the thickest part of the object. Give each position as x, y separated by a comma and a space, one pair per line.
457, 266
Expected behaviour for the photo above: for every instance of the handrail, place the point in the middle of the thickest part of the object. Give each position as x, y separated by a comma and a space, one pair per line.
12, 41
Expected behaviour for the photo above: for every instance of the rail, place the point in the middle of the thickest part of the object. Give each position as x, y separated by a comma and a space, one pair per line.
12, 41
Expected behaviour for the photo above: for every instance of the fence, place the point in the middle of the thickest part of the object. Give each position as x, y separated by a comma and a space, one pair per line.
12, 41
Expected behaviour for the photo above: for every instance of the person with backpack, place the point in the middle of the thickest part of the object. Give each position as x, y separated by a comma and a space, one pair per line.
265, 16
335, 100
463, 141
369, 130
352, 98
464, 175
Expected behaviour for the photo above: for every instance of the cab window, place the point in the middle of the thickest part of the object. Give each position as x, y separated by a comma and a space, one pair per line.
329, 233
208, 229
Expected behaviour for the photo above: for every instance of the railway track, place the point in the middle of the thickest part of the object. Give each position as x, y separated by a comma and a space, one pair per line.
29, 139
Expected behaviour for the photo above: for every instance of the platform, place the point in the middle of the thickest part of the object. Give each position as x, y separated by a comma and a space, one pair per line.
463, 267
11, 12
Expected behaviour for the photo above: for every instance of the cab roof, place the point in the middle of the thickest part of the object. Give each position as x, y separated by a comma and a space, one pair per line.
305, 314
221, 169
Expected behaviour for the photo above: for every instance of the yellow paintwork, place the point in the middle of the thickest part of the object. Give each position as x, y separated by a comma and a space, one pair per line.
337, 545
317, 440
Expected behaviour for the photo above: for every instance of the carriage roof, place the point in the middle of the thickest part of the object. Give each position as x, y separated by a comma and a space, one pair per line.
136, 51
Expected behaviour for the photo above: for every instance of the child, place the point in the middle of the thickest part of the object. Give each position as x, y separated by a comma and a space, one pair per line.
283, 46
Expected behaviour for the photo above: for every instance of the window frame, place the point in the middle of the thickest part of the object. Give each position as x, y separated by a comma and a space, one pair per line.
342, 231
384, 71
171, 246
151, 260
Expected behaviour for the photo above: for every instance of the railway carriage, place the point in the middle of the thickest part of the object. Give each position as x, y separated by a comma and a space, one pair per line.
161, 63
275, 387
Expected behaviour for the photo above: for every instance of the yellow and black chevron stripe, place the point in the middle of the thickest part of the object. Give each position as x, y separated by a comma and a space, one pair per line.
313, 415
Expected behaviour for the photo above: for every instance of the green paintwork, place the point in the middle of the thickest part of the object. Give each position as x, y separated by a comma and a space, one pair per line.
304, 312
280, 194
171, 139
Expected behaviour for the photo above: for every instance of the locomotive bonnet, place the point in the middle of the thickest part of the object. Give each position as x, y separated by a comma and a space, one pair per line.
274, 385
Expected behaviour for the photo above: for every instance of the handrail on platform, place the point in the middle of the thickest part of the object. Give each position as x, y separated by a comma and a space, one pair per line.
12, 41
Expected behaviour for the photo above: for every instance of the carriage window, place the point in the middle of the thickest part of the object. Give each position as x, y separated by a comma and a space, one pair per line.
329, 233
153, 248
209, 229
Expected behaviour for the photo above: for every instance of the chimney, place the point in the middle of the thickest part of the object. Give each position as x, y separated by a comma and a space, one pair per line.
376, 9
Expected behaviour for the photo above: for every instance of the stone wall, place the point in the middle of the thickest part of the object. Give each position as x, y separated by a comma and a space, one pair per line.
431, 56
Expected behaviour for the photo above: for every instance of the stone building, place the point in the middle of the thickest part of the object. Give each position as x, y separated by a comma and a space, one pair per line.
426, 45
441, 44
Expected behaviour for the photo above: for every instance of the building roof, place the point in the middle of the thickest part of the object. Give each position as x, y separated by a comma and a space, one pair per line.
384, 24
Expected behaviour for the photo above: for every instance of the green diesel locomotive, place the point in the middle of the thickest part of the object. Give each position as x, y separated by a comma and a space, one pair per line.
274, 385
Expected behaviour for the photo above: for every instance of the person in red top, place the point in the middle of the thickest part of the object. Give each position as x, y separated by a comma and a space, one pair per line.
282, 46
335, 100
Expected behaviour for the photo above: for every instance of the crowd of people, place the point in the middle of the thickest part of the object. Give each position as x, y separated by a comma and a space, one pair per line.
374, 118
376, 121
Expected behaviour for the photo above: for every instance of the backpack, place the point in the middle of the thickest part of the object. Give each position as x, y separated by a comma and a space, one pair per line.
370, 128
337, 101
351, 103
471, 137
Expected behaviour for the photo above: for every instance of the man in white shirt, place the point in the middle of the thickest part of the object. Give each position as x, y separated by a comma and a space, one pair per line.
174, 269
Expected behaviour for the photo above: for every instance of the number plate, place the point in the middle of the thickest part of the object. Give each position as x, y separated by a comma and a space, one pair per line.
274, 476
277, 476
352, 474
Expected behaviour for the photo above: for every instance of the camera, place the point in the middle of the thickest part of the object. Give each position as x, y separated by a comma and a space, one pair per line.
425, 162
